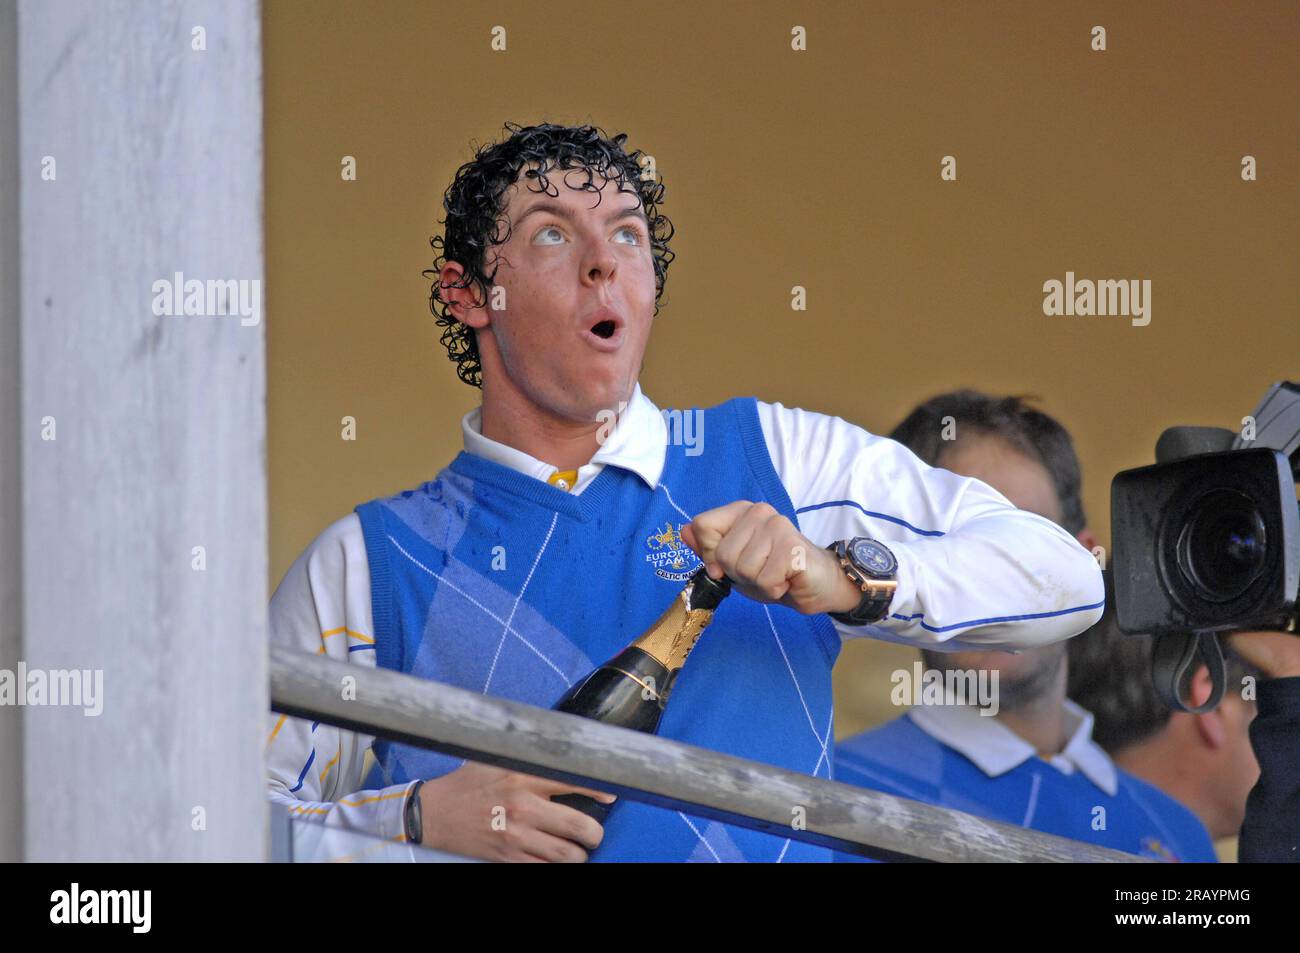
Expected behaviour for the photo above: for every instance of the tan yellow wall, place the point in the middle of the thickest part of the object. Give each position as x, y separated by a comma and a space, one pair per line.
782, 168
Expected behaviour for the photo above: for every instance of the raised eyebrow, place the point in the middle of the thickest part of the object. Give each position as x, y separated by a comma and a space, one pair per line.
564, 212
632, 211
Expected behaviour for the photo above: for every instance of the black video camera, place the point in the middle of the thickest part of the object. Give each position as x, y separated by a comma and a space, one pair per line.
1208, 540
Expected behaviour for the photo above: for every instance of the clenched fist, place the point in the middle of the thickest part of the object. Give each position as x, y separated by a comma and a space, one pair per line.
768, 559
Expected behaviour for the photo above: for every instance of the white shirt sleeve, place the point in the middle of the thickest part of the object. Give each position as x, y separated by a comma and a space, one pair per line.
974, 571
322, 606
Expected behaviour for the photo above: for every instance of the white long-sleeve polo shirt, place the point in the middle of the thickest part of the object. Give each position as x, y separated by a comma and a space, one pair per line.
974, 572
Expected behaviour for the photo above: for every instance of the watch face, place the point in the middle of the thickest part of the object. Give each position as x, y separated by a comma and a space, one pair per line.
874, 558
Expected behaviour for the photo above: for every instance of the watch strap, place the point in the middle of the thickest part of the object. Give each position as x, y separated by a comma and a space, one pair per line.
877, 594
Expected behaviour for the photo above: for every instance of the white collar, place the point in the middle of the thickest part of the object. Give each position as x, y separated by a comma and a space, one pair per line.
996, 749
637, 442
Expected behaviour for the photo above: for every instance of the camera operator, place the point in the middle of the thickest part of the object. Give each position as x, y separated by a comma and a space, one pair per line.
1204, 760
1207, 761
1207, 540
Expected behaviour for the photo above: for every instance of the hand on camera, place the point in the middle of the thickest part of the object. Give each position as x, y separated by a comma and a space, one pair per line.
1275, 654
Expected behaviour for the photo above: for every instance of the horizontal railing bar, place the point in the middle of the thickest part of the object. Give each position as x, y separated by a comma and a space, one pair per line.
651, 769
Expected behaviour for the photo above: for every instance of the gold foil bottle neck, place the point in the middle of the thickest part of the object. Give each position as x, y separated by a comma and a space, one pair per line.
675, 633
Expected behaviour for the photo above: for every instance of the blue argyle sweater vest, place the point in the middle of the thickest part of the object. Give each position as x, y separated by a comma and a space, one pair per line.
494, 581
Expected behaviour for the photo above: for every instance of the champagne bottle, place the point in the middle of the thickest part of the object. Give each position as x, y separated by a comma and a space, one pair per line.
632, 689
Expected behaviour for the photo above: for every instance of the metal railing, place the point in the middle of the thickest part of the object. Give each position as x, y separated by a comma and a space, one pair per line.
651, 769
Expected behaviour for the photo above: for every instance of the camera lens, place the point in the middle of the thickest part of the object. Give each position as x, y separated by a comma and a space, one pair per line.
1221, 546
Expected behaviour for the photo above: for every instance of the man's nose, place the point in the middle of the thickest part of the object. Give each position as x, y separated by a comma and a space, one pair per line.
600, 263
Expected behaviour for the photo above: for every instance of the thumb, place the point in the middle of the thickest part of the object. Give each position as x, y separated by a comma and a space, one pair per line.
688, 537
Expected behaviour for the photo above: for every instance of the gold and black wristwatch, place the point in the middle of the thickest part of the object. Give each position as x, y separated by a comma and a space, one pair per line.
873, 569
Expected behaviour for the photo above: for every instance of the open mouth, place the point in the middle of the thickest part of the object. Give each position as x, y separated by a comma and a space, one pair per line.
607, 331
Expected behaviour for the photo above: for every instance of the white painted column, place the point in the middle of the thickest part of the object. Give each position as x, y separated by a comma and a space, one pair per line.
11, 539
143, 435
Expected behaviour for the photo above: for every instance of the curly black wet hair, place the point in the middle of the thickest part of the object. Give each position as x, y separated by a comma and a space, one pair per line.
473, 203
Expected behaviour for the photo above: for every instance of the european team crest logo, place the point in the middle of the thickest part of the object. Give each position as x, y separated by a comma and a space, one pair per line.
671, 558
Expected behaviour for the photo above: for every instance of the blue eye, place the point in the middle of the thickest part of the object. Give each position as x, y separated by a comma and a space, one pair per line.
636, 237
548, 228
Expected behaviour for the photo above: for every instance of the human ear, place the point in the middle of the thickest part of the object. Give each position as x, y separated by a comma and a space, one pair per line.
462, 301
1210, 724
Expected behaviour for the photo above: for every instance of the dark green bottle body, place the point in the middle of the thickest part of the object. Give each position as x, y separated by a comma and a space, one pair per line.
608, 694
631, 690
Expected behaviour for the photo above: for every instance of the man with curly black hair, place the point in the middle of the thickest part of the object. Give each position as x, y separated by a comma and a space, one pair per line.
578, 508
585, 161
